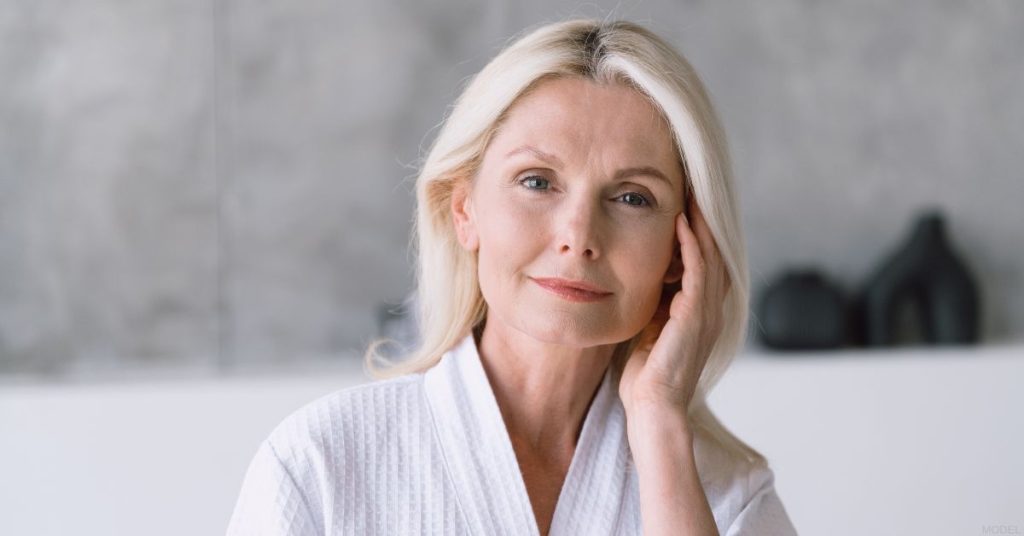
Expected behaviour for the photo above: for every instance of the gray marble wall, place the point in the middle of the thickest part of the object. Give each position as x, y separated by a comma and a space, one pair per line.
229, 183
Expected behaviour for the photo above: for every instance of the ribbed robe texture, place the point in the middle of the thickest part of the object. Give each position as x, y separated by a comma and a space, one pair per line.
428, 453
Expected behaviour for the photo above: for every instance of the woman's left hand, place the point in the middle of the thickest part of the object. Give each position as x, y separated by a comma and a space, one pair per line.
665, 372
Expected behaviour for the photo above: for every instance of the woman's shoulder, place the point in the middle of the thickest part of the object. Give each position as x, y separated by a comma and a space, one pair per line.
724, 468
336, 439
740, 488
349, 418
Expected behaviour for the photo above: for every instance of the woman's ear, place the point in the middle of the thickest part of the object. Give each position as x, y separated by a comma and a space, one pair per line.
674, 274
464, 218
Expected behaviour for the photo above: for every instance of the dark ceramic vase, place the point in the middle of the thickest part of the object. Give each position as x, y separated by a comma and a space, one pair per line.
926, 278
802, 311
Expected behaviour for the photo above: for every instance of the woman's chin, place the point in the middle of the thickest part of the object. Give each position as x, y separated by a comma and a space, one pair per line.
576, 334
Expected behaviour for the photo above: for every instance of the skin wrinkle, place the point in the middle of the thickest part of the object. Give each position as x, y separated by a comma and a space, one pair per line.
545, 356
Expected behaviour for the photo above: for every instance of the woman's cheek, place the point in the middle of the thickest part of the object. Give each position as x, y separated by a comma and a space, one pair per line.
525, 206
508, 235
521, 219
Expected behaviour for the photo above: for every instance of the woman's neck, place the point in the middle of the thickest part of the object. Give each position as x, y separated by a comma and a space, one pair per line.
543, 390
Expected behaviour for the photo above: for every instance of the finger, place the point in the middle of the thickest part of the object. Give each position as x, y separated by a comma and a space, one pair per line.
709, 247
693, 262
700, 228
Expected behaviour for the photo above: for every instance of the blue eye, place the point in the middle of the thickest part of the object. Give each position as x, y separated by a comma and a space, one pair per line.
641, 201
531, 178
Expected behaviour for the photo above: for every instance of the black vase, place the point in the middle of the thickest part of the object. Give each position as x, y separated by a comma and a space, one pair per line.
925, 278
801, 310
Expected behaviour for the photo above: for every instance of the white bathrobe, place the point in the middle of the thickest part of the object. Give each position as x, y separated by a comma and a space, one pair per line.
429, 453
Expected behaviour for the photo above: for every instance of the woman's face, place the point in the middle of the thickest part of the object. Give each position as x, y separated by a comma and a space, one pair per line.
582, 182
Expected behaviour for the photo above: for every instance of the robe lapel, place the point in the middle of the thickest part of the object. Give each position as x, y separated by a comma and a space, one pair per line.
483, 466
592, 496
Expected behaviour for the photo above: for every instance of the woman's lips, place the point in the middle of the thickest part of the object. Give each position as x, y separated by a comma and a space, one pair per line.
570, 293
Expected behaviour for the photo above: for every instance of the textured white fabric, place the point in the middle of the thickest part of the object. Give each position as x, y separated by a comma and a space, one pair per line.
428, 453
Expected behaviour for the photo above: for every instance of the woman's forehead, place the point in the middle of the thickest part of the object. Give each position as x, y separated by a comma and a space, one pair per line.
577, 101
563, 117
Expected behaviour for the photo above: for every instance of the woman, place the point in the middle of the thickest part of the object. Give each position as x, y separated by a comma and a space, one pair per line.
582, 285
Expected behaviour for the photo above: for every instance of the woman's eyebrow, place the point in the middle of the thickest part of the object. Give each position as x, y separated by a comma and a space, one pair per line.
621, 174
547, 157
643, 170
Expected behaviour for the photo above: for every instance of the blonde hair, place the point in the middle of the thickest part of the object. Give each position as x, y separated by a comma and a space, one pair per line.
450, 303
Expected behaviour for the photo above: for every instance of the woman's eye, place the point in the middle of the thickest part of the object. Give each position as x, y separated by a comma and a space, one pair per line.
640, 201
532, 179
533, 182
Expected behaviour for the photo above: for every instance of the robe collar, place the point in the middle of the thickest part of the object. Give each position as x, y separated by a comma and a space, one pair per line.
480, 459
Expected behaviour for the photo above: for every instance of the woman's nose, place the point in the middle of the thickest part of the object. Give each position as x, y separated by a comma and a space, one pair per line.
578, 234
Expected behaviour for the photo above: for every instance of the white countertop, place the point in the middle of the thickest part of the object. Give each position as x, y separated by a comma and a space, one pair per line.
862, 442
